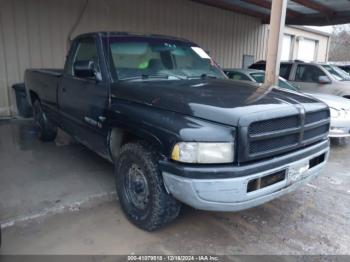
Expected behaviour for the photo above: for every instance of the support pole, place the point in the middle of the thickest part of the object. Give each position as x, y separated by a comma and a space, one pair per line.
274, 46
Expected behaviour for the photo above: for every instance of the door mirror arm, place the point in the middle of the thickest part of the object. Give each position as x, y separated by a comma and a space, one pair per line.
98, 76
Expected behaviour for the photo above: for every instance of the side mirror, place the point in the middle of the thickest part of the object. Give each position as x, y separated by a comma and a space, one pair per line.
323, 80
84, 69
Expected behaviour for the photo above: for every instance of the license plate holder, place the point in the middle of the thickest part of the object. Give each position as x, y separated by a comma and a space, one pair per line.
298, 171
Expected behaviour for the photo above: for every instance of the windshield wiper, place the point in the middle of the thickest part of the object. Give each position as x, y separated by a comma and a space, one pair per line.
203, 76
147, 76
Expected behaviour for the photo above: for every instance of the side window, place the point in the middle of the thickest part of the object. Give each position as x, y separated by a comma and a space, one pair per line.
238, 76
285, 70
86, 50
308, 73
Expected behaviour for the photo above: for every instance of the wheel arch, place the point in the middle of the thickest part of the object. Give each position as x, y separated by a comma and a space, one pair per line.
119, 136
33, 96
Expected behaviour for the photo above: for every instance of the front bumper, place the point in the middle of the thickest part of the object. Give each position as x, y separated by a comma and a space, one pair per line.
340, 127
339, 132
231, 194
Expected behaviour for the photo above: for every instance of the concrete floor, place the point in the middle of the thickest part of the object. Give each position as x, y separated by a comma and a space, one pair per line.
60, 200
41, 177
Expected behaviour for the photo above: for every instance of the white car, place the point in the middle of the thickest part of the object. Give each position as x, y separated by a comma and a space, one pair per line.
340, 107
340, 114
313, 77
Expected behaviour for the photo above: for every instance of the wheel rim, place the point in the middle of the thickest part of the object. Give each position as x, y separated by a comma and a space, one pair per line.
136, 187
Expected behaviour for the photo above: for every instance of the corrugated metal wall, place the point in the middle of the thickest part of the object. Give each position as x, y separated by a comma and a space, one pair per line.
33, 33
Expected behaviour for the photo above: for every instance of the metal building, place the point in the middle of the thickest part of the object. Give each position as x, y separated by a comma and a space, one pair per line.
33, 33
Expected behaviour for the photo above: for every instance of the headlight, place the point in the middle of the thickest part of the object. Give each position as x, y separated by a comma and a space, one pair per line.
336, 113
339, 130
204, 153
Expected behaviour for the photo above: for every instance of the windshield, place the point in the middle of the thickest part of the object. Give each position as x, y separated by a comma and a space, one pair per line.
260, 78
337, 73
285, 84
154, 58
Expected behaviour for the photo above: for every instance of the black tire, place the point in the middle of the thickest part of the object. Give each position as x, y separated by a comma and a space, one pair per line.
140, 188
46, 130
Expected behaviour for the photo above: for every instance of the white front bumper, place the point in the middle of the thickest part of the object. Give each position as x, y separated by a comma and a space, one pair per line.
231, 194
340, 127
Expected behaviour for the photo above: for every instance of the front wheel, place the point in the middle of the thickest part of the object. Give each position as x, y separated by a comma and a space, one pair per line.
46, 130
141, 190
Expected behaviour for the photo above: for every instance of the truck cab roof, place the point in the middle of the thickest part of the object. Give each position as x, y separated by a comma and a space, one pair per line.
132, 34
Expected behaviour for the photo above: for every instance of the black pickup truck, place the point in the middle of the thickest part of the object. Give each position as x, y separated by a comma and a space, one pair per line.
176, 129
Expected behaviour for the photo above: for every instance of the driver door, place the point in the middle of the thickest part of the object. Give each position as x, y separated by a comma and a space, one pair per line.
83, 100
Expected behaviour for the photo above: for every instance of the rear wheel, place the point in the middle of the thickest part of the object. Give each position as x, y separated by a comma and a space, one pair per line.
46, 130
141, 190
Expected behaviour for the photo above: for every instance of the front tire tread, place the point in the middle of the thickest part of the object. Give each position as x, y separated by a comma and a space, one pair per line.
164, 207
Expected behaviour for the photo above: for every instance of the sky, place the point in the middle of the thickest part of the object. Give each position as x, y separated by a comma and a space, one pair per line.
327, 29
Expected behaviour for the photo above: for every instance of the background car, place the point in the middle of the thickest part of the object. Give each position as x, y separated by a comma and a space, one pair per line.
252, 75
346, 68
313, 77
339, 107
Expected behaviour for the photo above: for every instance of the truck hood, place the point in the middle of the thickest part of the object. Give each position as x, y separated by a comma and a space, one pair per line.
217, 100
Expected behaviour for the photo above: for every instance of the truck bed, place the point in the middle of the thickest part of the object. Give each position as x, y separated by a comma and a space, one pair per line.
44, 82
51, 71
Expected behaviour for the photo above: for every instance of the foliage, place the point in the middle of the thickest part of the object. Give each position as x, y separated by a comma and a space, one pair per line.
340, 44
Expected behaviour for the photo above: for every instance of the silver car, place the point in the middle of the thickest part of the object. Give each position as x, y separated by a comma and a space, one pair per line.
314, 77
339, 107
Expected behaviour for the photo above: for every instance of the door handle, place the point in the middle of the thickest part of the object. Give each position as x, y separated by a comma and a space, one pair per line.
64, 90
